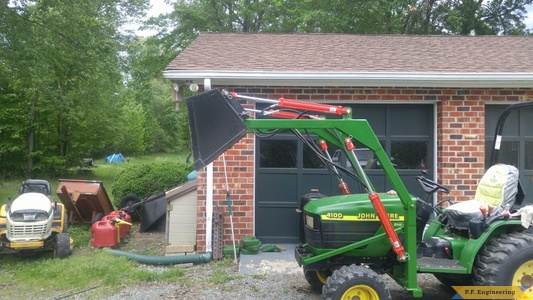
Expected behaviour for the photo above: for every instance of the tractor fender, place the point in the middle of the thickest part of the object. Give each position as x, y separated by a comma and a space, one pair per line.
473, 246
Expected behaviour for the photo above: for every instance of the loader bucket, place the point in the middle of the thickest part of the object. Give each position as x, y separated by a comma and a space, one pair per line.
216, 122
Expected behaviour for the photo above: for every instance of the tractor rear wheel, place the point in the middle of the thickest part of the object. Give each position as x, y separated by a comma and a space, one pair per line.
507, 261
62, 245
355, 282
316, 278
65, 222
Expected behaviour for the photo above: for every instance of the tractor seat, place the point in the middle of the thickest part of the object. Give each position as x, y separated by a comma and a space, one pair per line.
497, 188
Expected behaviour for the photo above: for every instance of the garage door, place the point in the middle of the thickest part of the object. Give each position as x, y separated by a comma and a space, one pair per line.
517, 143
286, 169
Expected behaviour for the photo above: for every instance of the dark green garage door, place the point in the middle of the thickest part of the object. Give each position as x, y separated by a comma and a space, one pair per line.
517, 143
286, 169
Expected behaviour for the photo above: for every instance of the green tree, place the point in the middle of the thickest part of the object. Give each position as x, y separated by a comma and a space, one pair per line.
131, 134
62, 73
463, 17
144, 63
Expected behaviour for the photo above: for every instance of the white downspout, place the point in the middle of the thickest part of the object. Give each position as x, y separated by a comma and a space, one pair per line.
434, 162
209, 195
209, 209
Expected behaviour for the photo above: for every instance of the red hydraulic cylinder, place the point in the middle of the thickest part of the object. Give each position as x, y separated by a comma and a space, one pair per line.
387, 225
343, 187
378, 206
300, 105
289, 115
324, 108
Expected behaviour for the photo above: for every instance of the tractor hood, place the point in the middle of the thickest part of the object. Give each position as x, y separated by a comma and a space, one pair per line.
33, 201
338, 221
355, 207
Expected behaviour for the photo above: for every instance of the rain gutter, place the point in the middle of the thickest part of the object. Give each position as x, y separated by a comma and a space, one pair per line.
367, 79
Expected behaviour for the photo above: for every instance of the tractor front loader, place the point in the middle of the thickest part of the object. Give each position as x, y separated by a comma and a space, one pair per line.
352, 238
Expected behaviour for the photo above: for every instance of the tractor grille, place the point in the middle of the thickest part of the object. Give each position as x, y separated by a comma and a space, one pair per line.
27, 230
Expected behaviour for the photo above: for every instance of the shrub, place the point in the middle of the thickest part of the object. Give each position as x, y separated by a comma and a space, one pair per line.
148, 180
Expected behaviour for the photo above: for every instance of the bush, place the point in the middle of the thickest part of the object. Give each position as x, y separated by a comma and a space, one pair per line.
148, 180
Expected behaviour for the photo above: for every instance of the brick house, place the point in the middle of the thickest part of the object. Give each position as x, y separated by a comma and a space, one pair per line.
438, 96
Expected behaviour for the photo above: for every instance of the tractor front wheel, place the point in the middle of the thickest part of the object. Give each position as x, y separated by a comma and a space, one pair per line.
316, 278
355, 282
62, 245
507, 261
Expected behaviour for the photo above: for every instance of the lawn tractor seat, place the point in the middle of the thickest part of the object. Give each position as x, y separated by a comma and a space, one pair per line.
497, 188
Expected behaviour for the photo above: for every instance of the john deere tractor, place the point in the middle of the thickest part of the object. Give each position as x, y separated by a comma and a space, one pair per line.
352, 238
33, 222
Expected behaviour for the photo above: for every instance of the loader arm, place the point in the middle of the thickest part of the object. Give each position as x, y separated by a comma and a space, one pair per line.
217, 121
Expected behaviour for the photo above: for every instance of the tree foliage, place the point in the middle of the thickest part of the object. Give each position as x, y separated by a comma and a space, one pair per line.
460, 17
74, 83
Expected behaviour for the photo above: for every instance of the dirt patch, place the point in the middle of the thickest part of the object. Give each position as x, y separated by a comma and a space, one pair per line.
146, 243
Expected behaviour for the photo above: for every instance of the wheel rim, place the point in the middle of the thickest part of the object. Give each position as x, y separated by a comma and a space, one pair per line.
321, 275
360, 292
523, 277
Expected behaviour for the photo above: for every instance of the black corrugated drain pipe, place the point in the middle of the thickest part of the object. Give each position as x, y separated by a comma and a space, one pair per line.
164, 260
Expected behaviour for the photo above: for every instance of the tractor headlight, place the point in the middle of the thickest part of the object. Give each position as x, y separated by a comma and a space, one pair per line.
29, 216
309, 221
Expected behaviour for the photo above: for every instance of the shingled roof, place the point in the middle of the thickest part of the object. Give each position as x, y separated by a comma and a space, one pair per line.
345, 56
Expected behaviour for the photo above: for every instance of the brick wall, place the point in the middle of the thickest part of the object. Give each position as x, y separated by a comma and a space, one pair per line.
460, 143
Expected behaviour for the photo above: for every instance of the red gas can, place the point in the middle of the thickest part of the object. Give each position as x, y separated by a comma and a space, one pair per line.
123, 229
104, 234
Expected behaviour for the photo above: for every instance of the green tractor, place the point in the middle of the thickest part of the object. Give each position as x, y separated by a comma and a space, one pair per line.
351, 239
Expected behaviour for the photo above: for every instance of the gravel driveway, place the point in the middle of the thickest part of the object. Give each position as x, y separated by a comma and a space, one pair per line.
198, 285
264, 276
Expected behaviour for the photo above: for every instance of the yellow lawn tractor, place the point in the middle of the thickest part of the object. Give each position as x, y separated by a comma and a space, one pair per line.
32, 222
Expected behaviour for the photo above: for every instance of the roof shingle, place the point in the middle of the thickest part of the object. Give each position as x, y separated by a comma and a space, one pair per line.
356, 53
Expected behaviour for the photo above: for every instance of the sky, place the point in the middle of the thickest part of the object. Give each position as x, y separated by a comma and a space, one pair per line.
529, 17
159, 7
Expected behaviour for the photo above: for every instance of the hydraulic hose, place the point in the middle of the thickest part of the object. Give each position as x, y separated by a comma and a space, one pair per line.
164, 260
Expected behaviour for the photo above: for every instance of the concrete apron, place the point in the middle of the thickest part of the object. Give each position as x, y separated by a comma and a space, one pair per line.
270, 262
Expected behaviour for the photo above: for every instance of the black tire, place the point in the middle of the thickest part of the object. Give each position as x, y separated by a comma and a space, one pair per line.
62, 246
506, 261
350, 282
130, 200
97, 217
450, 280
65, 222
316, 278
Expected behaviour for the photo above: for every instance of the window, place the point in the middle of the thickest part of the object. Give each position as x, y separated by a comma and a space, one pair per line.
409, 154
516, 147
508, 154
278, 153
529, 155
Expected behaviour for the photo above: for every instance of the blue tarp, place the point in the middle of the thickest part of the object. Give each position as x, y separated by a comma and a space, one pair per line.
193, 175
115, 158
